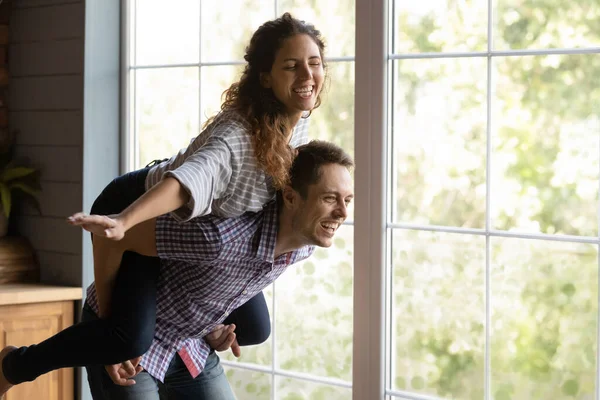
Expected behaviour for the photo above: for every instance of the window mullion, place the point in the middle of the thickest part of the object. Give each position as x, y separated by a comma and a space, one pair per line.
369, 252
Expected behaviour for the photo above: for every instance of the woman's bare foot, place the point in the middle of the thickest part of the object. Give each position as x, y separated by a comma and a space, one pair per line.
5, 385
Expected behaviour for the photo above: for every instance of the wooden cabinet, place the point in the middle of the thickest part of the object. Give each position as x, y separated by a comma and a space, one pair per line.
30, 314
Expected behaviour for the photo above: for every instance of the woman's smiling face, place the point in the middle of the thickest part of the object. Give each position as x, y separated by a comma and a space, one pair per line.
297, 74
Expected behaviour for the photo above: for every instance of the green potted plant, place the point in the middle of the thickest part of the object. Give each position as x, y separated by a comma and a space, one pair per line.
15, 179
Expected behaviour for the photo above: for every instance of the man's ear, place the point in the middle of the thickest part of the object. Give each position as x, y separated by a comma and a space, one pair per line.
290, 197
265, 80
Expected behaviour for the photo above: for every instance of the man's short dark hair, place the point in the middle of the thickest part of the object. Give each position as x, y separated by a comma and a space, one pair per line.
306, 168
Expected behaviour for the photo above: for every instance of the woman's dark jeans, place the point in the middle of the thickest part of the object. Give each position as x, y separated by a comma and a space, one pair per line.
129, 331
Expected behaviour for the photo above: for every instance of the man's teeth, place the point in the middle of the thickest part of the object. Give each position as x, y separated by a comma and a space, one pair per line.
329, 226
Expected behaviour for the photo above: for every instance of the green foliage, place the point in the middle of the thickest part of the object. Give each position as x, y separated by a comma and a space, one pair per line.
545, 159
15, 178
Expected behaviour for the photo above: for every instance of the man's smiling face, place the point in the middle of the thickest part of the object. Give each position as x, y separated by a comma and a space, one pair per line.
318, 216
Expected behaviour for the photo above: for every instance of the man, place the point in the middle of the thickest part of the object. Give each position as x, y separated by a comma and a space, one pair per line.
234, 259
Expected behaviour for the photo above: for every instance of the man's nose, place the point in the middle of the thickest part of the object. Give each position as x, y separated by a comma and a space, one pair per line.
341, 211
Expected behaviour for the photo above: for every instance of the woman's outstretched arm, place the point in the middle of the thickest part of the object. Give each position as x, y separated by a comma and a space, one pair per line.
166, 196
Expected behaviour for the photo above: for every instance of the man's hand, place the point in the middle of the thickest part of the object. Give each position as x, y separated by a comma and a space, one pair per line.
108, 226
122, 373
222, 338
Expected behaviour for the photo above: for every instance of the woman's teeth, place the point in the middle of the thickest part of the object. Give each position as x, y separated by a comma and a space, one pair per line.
304, 92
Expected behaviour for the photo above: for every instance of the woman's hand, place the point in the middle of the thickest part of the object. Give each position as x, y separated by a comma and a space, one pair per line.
108, 226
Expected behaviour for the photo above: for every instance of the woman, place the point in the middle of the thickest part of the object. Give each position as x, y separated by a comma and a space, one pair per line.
235, 165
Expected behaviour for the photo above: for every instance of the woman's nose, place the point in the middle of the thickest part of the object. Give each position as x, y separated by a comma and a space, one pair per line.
305, 73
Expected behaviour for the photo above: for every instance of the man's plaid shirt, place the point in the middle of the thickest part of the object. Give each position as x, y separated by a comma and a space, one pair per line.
209, 267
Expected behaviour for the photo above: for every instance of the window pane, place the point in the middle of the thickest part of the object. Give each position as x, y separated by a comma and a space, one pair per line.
334, 119
439, 142
215, 80
334, 18
166, 104
542, 24
545, 144
167, 33
544, 319
314, 312
438, 335
440, 26
294, 389
249, 385
227, 27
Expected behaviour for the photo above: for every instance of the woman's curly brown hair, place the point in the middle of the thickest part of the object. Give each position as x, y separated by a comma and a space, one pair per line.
270, 127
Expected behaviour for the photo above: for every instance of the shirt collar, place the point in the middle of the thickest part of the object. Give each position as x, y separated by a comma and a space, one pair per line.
268, 233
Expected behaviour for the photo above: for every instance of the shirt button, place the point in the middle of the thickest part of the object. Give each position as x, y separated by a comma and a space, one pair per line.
245, 292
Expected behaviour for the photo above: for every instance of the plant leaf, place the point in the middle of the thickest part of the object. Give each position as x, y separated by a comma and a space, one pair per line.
30, 190
5, 197
25, 188
16, 172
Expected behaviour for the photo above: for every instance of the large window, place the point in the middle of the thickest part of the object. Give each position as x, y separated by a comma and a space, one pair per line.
182, 57
493, 215
481, 121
